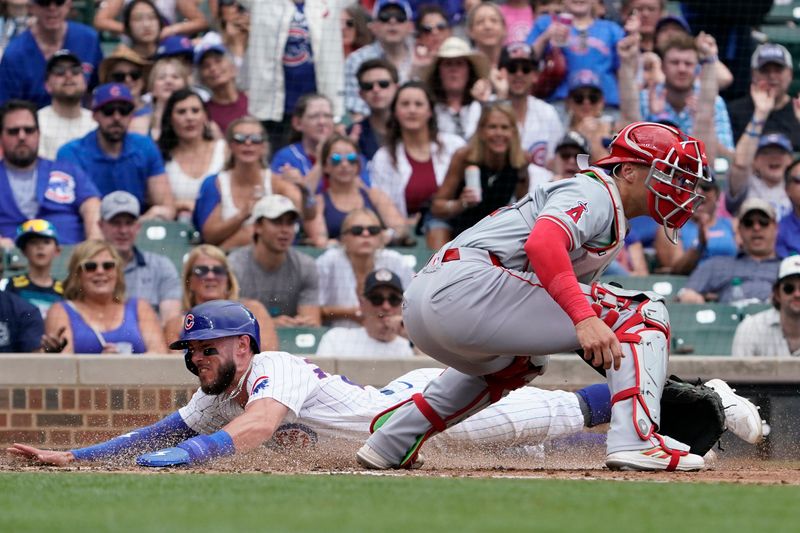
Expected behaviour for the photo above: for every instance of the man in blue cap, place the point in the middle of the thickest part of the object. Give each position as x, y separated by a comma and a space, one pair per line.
758, 171
118, 160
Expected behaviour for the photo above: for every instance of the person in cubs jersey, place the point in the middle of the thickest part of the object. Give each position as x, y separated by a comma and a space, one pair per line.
521, 284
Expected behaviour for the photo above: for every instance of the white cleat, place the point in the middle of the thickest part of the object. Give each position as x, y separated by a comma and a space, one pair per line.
655, 458
369, 458
741, 415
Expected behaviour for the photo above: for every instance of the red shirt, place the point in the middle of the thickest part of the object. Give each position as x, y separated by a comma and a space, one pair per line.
421, 185
224, 114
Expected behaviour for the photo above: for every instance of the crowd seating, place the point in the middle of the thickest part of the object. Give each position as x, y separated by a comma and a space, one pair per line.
300, 341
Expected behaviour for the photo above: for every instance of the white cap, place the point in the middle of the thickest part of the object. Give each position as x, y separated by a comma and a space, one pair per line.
273, 206
789, 267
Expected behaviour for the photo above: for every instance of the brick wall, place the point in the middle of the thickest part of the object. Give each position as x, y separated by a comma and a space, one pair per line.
77, 416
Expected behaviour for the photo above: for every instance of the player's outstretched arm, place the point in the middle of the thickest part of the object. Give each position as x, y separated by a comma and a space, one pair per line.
245, 432
45, 457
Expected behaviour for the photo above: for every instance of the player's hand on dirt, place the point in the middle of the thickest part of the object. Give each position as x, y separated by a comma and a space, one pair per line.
54, 343
600, 345
47, 457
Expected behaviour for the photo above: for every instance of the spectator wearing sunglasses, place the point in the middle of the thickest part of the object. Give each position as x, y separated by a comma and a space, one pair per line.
432, 30
540, 128
149, 276
207, 276
225, 207
126, 66
271, 271
96, 316
33, 187
24, 64
381, 334
118, 160
64, 119
341, 166
774, 332
789, 226
344, 269
377, 85
355, 28
707, 234
756, 264
758, 171
585, 106
393, 29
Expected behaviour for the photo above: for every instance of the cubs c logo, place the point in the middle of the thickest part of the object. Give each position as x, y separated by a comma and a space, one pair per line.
188, 322
60, 188
114, 90
537, 153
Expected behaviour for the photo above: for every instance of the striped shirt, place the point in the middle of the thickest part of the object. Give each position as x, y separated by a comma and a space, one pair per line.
760, 335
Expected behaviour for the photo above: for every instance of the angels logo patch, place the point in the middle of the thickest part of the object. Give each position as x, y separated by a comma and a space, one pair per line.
60, 188
577, 212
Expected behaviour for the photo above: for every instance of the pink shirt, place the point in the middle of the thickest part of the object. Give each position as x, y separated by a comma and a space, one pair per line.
519, 21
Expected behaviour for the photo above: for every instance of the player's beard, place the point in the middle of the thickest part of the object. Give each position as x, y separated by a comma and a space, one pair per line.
225, 376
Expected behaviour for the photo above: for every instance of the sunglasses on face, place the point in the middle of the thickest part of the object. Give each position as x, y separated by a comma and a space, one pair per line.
350, 23
427, 28
367, 86
359, 230
789, 288
93, 266
120, 77
202, 271
123, 110
389, 14
244, 138
62, 70
378, 299
337, 158
46, 3
525, 68
749, 222
579, 98
28, 130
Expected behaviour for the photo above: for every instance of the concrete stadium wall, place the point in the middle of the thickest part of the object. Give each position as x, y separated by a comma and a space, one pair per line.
70, 401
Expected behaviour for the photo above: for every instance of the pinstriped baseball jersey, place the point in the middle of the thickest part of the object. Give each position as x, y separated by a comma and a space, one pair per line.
589, 209
332, 406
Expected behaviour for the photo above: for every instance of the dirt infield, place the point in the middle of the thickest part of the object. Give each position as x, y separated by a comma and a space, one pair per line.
518, 463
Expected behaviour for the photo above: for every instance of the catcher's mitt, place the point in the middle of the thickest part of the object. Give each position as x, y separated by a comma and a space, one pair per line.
692, 414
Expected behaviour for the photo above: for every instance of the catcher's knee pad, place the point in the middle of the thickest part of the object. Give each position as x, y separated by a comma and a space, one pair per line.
518, 374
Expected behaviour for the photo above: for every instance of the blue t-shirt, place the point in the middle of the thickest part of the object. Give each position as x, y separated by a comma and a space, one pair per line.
788, 242
296, 157
595, 49
22, 70
720, 239
139, 161
207, 199
298, 61
646, 228
61, 188
21, 325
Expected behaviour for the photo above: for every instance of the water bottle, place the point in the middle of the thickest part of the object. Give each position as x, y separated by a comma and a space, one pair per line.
472, 180
737, 297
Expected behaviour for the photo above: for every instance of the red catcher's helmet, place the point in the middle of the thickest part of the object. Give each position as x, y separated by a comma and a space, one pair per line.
677, 163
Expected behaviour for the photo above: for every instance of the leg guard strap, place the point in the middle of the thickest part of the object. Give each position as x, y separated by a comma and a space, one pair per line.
518, 374
426, 409
675, 455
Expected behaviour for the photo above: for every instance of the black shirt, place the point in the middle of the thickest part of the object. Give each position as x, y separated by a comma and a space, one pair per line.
780, 120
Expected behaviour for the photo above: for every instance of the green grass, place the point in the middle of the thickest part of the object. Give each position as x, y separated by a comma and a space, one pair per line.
69, 501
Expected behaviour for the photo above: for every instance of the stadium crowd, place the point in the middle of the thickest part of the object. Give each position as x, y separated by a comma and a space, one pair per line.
363, 129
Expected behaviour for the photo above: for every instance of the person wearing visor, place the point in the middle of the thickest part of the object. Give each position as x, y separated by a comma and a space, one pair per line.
523, 280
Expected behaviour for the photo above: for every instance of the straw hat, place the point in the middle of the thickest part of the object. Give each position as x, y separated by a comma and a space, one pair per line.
121, 53
454, 47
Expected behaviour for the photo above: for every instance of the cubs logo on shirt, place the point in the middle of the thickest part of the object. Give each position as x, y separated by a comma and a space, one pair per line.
260, 384
298, 44
537, 153
60, 188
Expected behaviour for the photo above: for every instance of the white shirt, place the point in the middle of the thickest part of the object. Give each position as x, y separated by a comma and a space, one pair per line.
55, 131
540, 131
761, 335
353, 343
186, 187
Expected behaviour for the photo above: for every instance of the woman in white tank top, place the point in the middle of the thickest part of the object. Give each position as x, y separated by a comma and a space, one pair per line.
245, 180
189, 148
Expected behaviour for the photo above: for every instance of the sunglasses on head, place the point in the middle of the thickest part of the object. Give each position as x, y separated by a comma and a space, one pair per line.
749, 222
359, 230
93, 266
46, 3
789, 288
389, 14
110, 110
367, 86
428, 28
202, 271
121, 76
243, 138
579, 98
337, 158
29, 130
61, 70
525, 68
378, 299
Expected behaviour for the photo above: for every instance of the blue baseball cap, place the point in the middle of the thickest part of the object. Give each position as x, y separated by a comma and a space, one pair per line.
201, 50
36, 227
111, 92
673, 19
402, 4
584, 78
775, 139
175, 45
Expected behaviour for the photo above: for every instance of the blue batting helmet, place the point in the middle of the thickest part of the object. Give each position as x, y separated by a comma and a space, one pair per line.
214, 320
